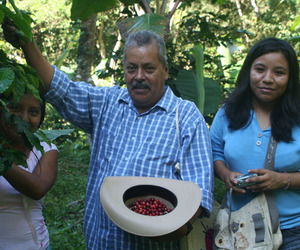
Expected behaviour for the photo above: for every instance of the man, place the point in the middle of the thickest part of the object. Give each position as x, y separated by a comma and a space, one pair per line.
134, 132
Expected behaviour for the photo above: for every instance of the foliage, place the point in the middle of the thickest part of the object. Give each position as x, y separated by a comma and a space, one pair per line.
64, 204
85, 9
15, 80
53, 31
20, 18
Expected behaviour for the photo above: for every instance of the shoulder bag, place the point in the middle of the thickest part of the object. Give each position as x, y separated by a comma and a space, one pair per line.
255, 225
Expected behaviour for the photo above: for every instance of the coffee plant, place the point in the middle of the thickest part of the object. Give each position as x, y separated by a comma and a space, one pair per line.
15, 80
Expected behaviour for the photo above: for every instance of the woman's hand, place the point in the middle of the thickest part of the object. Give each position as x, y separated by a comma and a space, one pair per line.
267, 180
228, 177
231, 182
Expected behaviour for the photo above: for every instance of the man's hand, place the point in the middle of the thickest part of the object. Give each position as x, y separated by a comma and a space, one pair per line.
12, 34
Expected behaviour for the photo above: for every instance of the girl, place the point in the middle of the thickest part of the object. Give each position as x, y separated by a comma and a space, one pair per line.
22, 189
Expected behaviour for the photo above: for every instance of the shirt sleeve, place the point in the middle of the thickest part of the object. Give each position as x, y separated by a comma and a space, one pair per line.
217, 135
196, 155
75, 101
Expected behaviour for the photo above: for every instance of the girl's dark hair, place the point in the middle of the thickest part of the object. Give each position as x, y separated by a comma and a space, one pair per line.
43, 106
285, 114
43, 111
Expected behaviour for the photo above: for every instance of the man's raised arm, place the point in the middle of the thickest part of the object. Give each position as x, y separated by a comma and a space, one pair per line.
33, 55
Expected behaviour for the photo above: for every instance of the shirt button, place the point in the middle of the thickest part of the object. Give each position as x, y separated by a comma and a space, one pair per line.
259, 135
258, 143
133, 138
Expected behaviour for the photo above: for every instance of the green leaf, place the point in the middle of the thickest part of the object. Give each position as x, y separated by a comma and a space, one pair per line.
295, 24
18, 89
65, 53
186, 85
199, 61
199, 84
212, 96
34, 140
3, 58
42, 137
189, 87
2, 15
155, 22
295, 39
53, 134
84, 9
7, 77
22, 20
129, 2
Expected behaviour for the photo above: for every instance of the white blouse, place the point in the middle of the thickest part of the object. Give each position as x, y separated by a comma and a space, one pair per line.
22, 224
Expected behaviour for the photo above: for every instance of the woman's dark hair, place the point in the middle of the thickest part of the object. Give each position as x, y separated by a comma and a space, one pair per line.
285, 114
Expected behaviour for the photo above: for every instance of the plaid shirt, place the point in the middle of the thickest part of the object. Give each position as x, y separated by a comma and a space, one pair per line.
126, 143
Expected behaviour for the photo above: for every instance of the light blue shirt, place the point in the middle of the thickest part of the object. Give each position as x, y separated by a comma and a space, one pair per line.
126, 143
246, 149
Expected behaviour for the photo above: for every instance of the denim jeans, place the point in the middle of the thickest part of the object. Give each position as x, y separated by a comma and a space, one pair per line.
291, 239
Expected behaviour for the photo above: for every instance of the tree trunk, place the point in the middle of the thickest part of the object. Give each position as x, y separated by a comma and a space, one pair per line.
238, 5
85, 56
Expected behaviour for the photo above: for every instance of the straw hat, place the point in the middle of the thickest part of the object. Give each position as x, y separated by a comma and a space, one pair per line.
117, 193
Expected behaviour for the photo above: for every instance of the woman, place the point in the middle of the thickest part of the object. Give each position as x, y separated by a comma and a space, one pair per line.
266, 101
22, 189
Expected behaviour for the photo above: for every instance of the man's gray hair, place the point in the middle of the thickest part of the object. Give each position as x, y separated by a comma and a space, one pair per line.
146, 37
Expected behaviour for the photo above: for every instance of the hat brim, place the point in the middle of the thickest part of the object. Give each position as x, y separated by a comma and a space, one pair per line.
115, 204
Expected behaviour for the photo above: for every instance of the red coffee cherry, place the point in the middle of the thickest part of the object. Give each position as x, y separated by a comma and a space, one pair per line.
150, 207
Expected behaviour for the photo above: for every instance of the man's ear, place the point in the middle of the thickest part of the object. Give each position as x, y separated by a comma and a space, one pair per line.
166, 72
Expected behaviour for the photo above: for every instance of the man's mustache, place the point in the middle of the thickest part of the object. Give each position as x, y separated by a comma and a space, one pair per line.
140, 85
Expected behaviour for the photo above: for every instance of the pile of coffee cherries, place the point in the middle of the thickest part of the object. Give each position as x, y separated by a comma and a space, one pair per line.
150, 207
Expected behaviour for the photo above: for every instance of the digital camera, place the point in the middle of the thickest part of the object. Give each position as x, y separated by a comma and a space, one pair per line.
242, 180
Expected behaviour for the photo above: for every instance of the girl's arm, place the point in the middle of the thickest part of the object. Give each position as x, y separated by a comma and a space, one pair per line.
36, 184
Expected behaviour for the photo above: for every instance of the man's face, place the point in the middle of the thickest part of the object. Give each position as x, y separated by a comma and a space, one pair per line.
145, 76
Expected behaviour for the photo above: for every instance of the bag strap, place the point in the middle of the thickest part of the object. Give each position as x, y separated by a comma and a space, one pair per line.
177, 126
177, 166
269, 164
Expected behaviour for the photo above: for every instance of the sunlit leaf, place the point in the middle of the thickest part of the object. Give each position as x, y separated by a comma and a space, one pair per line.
129, 2
53, 134
155, 22
84, 9
296, 23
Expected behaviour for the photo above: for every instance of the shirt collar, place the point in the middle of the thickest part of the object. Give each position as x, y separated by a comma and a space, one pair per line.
165, 103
